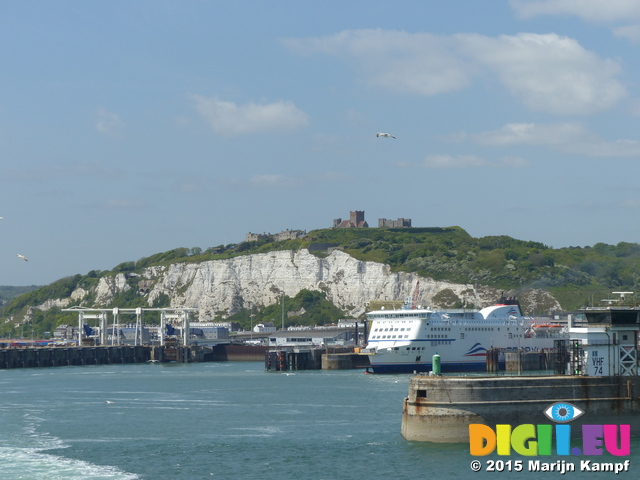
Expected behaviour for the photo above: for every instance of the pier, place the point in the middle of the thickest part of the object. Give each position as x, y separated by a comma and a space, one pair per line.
604, 386
440, 409
170, 352
275, 359
337, 358
522, 361
66, 356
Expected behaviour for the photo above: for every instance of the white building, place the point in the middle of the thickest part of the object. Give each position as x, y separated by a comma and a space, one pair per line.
316, 337
266, 327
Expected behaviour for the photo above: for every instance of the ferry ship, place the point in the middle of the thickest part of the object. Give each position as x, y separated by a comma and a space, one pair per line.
405, 340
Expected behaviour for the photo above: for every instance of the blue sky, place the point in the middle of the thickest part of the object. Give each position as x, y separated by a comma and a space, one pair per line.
132, 128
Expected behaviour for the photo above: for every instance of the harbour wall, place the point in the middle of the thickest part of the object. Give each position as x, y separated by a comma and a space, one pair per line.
336, 358
440, 409
238, 353
521, 361
115, 354
59, 357
291, 359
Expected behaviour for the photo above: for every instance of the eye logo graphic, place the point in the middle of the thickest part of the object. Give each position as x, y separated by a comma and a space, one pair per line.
563, 412
530, 440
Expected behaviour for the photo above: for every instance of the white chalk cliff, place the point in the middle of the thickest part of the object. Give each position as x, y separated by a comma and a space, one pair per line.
222, 287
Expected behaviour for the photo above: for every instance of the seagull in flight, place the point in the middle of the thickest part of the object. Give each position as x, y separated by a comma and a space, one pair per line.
22, 257
384, 135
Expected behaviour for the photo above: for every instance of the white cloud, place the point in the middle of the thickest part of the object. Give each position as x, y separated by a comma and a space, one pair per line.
420, 63
532, 134
629, 32
471, 161
228, 118
617, 148
108, 123
592, 10
548, 73
565, 137
609, 12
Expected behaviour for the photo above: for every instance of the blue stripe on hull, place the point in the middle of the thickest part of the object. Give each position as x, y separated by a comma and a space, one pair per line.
427, 367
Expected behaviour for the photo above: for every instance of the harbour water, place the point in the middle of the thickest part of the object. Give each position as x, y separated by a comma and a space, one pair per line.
223, 421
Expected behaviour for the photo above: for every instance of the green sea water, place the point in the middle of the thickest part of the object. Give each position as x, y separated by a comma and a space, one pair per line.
221, 421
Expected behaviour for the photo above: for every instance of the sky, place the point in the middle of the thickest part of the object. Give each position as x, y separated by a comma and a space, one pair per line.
133, 128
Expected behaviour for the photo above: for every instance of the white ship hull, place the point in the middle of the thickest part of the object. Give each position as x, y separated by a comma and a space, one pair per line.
406, 340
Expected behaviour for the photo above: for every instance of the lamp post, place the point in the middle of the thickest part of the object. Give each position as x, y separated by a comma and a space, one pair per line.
251, 319
283, 310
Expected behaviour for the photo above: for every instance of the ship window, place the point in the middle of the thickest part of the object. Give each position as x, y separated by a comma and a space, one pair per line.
421, 394
461, 336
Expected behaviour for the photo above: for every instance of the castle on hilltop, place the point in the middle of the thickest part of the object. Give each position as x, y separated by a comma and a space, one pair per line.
399, 223
356, 220
278, 237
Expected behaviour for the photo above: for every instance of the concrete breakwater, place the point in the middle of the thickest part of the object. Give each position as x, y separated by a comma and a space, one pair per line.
440, 409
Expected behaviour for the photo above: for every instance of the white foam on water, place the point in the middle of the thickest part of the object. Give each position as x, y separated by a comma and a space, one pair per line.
33, 464
25, 456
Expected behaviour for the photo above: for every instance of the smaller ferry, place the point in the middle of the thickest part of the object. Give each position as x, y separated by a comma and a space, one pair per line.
405, 340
